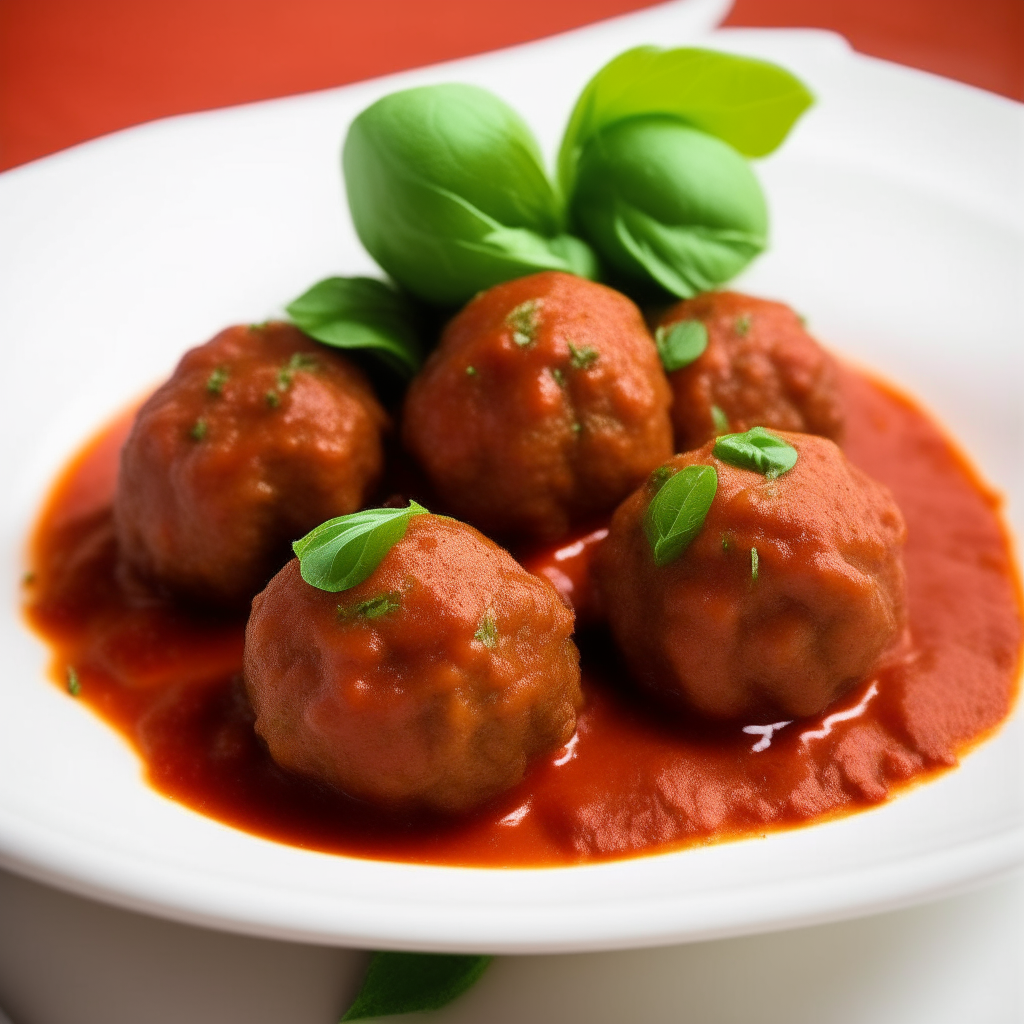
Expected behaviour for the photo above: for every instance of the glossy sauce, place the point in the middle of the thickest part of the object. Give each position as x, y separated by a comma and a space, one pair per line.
631, 780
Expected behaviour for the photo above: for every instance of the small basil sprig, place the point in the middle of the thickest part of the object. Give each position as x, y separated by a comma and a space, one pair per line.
679, 344
750, 104
758, 450
665, 203
448, 193
677, 512
359, 312
342, 552
414, 982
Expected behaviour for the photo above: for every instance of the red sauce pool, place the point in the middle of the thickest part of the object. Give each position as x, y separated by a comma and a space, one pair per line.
630, 781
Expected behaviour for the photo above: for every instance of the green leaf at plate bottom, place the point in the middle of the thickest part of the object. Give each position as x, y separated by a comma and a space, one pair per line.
411, 982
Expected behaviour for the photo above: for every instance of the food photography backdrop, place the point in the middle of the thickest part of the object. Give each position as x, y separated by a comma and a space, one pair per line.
74, 71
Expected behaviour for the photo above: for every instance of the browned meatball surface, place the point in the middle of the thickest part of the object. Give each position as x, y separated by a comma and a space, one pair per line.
259, 435
761, 368
826, 601
432, 684
545, 404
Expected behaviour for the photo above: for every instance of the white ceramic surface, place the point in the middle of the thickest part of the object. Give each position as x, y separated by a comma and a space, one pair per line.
898, 230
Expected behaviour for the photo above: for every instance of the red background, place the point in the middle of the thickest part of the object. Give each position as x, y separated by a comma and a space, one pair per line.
74, 69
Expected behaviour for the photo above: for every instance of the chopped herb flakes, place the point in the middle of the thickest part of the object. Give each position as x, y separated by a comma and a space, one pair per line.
720, 420
216, 381
582, 358
753, 564
198, 431
487, 632
261, 326
74, 686
577, 428
272, 399
303, 361
470, 371
559, 377
524, 321
659, 476
374, 608
742, 325
726, 543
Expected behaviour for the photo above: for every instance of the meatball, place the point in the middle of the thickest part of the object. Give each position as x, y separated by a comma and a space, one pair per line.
788, 596
760, 368
258, 436
430, 685
544, 406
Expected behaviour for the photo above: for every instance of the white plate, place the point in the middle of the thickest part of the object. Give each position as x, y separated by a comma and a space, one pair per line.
897, 230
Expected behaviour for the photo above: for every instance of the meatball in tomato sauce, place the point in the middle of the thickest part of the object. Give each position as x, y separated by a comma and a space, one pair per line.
789, 595
760, 368
259, 435
544, 405
430, 685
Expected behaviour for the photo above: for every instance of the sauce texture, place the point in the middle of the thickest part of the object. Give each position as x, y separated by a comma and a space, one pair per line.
632, 780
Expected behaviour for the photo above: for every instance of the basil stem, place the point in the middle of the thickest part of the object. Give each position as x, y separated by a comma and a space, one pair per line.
342, 552
413, 982
359, 312
677, 512
447, 190
681, 343
757, 450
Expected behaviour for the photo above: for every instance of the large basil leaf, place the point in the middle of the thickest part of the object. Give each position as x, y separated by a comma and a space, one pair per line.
448, 193
342, 552
414, 982
751, 104
663, 202
359, 312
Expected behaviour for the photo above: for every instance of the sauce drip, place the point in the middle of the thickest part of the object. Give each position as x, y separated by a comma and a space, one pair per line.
632, 780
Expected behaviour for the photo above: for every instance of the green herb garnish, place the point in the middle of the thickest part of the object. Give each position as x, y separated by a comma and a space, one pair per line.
742, 325
524, 321
358, 313
198, 431
272, 399
374, 608
720, 420
487, 632
448, 193
471, 371
582, 358
681, 343
558, 376
757, 450
658, 477
577, 428
414, 982
342, 552
74, 686
677, 512
216, 381
753, 564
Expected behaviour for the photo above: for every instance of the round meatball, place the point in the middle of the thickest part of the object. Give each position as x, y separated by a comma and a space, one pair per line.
760, 368
431, 685
258, 436
544, 405
787, 597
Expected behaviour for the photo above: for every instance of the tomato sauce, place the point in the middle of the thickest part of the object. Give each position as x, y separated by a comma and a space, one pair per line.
632, 780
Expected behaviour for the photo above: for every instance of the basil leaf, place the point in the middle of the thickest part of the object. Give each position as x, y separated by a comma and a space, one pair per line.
448, 193
342, 552
412, 982
677, 512
359, 312
681, 343
669, 205
747, 103
758, 450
